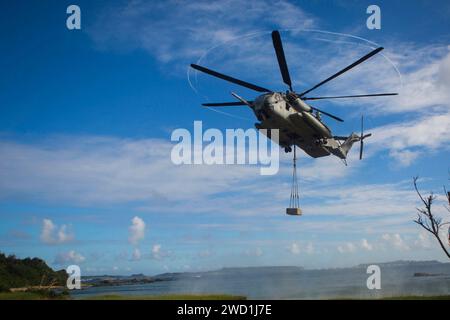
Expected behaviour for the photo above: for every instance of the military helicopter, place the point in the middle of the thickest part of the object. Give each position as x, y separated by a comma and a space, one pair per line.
299, 123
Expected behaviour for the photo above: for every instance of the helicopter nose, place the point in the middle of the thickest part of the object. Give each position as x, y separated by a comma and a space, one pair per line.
267, 106
268, 103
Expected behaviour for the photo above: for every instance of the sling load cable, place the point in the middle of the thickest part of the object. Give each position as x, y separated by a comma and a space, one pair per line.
294, 201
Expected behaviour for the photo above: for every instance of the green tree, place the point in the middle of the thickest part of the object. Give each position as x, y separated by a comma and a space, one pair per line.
15, 273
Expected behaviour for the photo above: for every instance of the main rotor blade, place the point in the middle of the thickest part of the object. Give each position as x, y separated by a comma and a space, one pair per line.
242, 100
278, 45
224, 104
230, 79
362, 127
327, 114
354, 64
361, 148
355, 96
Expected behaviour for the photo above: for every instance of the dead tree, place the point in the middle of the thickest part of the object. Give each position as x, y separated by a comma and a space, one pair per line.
427, 220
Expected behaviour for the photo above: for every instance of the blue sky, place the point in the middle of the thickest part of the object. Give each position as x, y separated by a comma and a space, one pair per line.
86, 118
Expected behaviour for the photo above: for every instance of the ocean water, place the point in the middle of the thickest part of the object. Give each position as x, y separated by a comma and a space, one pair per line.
293, 283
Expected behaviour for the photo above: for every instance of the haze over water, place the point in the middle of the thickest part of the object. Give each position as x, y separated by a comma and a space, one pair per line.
295, 283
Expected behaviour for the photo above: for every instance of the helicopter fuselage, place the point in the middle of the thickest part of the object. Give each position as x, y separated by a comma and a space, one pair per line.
303, 129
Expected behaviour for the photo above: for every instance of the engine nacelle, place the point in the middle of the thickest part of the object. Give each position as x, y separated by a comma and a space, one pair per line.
316, 124
300, 105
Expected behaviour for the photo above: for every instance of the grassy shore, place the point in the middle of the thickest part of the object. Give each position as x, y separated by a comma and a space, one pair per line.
32, 295
45, 296
40, 295
418, 298
168, 297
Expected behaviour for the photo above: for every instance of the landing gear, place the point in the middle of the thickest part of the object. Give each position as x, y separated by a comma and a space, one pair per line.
288, 149
294, 201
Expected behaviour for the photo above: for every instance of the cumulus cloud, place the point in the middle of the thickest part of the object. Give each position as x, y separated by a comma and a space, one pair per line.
136, 230
295, 248
423, 100
396, 241
419, 73
136, 255
366, 245
156, 251
69, 257
409, 139
423, 241
347, 247
427, 82
388, 241
51, 234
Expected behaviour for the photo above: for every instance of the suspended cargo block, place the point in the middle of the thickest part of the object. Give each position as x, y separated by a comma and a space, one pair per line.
294, 211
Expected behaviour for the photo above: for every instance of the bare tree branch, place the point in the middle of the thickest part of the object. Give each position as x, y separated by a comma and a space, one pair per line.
426, 218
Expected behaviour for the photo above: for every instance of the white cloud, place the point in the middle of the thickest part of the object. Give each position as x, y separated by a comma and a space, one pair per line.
404, 157
156, 251
295, 248
387, 241
407, 140
366, 245
136, 230
48, 228
105, 171
396, 241
423, 241
423, 102
50, 234
366, 200
69, 257
256, 252
428, 84
347, 247
423, 84
136, 255
95, 170
194, 26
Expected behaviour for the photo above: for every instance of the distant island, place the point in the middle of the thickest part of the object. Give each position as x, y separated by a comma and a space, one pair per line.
399, 263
